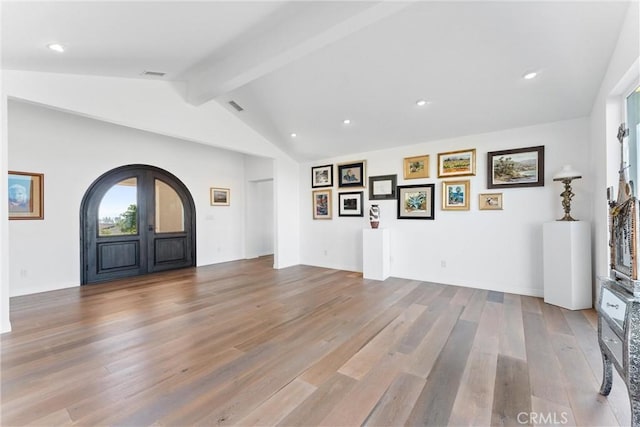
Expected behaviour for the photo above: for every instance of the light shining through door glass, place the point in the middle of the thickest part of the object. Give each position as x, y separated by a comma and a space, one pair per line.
118, 211
169, 209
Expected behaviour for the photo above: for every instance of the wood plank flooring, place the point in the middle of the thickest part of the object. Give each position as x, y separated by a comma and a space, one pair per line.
242, 344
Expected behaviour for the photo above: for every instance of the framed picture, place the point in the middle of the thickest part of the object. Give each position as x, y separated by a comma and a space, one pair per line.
457, 163
522, 167
350, 203
322, 204
322, 176
382, 187
490, 201
26, 195
352, 174
416, 167
416, 201
220, 196
455, 195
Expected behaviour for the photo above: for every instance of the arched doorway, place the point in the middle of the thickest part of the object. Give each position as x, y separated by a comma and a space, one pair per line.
134, 220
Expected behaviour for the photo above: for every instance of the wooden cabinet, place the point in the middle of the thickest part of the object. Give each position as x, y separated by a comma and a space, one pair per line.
619, 340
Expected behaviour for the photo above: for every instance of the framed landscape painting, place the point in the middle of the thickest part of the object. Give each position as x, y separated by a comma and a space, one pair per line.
457, 163
416, 167
322, 204
455, 195
26, 195
350, 203
322, 176
416, 201
522, 167
220, 196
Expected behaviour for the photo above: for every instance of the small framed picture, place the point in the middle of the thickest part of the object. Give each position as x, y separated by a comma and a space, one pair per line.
455, 195
382, 187
521, 167
220, 196
416, 201
416, 167
26, 195
352, 174
490, 201
350, 203
322, 204
457, 163
322, 176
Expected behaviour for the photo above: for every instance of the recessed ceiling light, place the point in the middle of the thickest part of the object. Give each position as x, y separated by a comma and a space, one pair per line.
530, 75
293, 135
422, 102
346, 121
56, 47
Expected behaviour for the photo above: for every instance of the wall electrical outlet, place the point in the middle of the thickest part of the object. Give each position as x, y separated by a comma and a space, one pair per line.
443, 264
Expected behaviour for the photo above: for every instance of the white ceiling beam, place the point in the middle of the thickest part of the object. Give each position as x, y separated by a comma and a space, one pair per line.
303, 31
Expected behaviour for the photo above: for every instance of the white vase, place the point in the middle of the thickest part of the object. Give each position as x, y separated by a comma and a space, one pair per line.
374, 216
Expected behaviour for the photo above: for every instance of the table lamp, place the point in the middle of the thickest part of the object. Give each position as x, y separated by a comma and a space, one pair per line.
566, 175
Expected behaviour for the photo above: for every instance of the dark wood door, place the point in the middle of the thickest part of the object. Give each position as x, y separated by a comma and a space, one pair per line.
136, 219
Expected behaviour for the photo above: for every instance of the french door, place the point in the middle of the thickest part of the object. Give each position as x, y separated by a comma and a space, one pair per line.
136, 219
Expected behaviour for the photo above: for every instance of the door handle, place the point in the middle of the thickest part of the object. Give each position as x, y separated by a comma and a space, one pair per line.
150, 227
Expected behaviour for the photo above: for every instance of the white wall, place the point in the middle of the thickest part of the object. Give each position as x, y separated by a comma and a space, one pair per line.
159, 107
286, 187
5, 323
72, 152
624, 68
499, 250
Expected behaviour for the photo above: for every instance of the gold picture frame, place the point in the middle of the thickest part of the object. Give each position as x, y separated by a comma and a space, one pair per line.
220, 196
490, 201
322, 204
26, 195
455, 195
457, 163
416, 167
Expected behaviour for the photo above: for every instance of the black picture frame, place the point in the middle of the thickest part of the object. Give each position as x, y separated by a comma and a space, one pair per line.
350, 203
521, 167
383, 187
416, 201
322, 176
352, 174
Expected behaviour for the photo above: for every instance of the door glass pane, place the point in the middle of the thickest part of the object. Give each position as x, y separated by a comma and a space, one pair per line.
118, 212
169, 209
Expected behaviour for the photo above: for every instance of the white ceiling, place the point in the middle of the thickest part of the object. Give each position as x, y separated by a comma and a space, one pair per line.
305, 66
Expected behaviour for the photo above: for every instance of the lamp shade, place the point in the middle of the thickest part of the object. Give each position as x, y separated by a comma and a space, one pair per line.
567, 172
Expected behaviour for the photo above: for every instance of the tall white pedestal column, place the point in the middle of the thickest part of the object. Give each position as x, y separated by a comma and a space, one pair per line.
376, 256
567, 264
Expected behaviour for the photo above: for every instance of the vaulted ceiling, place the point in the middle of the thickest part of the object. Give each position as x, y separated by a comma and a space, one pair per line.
304, 67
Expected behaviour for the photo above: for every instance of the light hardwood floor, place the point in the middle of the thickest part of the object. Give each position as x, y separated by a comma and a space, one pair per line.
242, 344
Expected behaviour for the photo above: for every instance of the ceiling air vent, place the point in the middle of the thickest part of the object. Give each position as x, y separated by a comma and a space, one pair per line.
153, 73
236, 106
